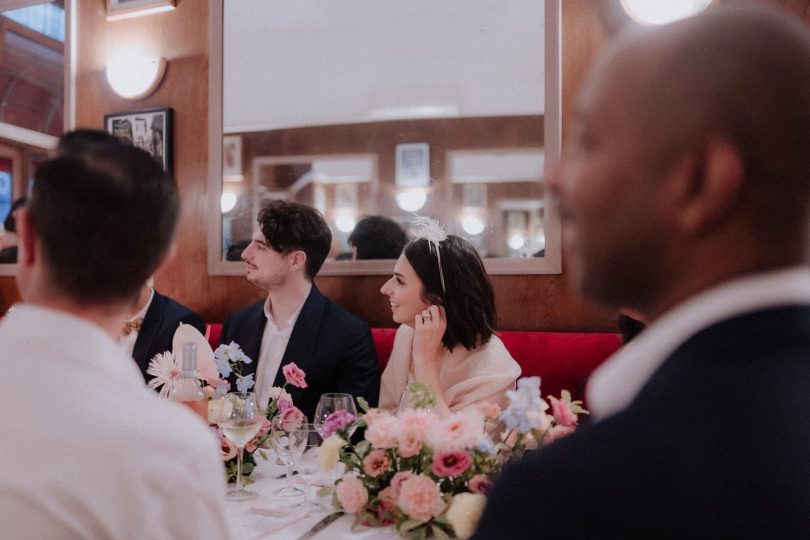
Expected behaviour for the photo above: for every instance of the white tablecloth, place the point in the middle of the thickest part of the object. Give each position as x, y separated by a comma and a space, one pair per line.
270, 516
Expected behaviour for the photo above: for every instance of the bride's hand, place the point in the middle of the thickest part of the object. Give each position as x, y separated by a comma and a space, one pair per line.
429, 327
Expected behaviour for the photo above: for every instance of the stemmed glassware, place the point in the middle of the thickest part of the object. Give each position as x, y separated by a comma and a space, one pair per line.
289, 444
308, 462
240, 422
330, 403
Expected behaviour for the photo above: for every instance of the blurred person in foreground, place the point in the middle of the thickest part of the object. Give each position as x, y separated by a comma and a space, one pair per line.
90, 451
685, 194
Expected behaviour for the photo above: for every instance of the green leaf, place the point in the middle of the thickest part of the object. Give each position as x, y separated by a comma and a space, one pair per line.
408, 525
325, 491
439, 532
363, 403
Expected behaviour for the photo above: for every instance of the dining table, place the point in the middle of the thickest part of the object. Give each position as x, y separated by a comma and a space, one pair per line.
271, 516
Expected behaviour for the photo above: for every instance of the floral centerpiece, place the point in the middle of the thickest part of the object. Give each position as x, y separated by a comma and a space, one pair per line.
429, 475
214, 368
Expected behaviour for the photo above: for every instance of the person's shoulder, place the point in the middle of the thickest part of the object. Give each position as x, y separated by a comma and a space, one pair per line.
337, 313
179, 310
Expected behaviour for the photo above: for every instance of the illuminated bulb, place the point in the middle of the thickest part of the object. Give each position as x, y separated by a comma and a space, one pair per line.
516, 241
411, 200
473, 225
135, 77
227, 202
345, 223
663, 11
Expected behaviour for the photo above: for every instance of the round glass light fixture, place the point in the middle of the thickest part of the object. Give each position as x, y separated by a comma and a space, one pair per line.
227, 202
135, 77
663, 11
473, 225
411, 200
516, 240
345, 222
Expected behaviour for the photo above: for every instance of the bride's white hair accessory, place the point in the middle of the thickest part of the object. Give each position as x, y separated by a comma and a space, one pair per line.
434, 232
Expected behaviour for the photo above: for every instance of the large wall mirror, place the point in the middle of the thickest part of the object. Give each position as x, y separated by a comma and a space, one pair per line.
444, 109
32, 104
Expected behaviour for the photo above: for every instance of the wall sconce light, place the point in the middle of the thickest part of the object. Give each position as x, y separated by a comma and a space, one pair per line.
662, 11
411, 200
135, 77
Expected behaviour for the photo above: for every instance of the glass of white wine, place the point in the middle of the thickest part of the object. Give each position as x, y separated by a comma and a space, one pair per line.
240, 422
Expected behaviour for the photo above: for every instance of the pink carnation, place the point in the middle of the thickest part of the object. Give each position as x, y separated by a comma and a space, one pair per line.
397, 481
480, 484
294, 375
376, 463
253, 444
420, 498
490, 410
562, 412
410, 441
336, 421
386, 508
283, 405
450, 463
291, 419
226, 447
458, 431
382, 433
352, 494
557, 432
372, 415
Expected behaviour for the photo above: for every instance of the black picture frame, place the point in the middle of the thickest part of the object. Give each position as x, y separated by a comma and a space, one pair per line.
149, 129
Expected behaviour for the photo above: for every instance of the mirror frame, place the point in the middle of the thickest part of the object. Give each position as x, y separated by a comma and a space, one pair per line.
35, 139
550, 263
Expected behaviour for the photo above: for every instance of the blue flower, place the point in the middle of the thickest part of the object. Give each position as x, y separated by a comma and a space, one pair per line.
221, 389
486, 445
243, 384
222, 362
522, 401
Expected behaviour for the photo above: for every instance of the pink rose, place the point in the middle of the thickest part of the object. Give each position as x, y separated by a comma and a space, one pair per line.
450, 463
227, 448
372, 415
294, 375
397, 481
410, 441
420, 498
457, 431
557, 432
480, 484
376, 463
291, 419
562, 412
415, 427
336, 421
383, 432
352, 494
490, 410
386, 508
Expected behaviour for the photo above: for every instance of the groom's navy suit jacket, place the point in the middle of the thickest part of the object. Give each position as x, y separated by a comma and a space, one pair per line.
331, 345
715, 445
162, 318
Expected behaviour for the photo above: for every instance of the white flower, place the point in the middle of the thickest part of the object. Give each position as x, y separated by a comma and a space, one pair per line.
219, 410
464, 512
277, 393
330, 452
166, 369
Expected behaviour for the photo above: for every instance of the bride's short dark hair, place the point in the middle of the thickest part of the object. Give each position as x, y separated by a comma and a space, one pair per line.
468, 300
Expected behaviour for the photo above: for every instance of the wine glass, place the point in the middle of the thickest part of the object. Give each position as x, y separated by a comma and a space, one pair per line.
289, 444
307, 464
330, 403
240, 422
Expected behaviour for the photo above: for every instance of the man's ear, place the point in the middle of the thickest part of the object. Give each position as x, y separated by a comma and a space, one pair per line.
297, 259
709, 183
27, 238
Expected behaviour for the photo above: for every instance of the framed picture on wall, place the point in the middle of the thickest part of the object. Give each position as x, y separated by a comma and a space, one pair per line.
149, 129
119, 9
412, 165
232, 158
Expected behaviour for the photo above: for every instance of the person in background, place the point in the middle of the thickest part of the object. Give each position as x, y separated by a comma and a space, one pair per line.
685, 197
295, 322
8, 254
443, 301
150, 326
89, 451
377, 237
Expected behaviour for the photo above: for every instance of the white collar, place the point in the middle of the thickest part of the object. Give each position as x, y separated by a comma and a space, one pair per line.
142, 313
616, 383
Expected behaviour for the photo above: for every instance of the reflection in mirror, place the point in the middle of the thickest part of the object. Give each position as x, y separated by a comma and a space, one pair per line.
31, 117
448, 111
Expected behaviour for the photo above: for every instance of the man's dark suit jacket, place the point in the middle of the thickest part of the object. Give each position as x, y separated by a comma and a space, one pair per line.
332, 346
157, 329
716, 445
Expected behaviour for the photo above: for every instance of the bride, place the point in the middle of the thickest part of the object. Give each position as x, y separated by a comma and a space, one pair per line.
443, 300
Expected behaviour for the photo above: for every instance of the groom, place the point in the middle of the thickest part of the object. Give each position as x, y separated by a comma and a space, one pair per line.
686, 194
296, 323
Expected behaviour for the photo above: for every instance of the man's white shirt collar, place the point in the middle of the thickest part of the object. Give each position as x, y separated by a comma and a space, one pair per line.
616, 383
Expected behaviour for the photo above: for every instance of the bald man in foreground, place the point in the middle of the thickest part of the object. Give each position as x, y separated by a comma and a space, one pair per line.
685, 196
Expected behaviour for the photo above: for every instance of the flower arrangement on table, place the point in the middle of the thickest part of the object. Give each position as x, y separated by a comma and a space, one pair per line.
429, 475
213, 370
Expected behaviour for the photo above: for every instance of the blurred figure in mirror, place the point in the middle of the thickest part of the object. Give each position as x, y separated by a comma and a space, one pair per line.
295, 322
8, 254
96, 226
685, 197
443, 301
377, 237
